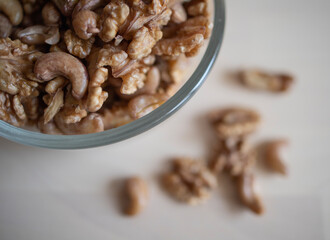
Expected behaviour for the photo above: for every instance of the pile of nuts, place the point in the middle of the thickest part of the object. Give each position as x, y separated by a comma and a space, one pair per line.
85, 66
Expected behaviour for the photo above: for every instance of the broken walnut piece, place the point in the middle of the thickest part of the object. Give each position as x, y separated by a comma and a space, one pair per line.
189, 181
112, 17
262, 80
76, 46
246, 187
233, 157
272, 156
234, 122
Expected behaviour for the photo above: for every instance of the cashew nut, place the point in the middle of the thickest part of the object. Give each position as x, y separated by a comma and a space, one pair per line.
91, 124
39, 34
51, 15
135, 195
5, 26
13, 9
85, 24
272, 156
63, 64
66, 6
87, 5
247, 192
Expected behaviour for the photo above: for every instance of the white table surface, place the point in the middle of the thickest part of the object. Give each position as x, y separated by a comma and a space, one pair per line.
68, 195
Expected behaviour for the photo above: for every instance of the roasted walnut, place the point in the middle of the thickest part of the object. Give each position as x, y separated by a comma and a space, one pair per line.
77, 46
189, 181
234, 122
248, 194
261, 80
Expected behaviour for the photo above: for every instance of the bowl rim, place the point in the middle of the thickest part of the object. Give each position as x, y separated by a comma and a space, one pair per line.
138, 126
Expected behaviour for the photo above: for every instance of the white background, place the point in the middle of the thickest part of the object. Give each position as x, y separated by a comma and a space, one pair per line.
66, 195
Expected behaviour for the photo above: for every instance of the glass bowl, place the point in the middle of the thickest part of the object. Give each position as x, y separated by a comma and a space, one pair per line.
138, 126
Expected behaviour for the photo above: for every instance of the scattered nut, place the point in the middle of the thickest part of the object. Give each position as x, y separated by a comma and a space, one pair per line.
233, 122
135, 195
247, 193
272, 156
189, 181
261, 80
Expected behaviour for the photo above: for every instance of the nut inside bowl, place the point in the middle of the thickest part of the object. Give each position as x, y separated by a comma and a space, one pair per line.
142, 124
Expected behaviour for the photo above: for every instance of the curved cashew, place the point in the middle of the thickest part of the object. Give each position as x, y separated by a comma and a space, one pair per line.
13, 9
272, 156
39, 34
91, 124
56, 64
136, 195
5, 26
51, 15
85, 24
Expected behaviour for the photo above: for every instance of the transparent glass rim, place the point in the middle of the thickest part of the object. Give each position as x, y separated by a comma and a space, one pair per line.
138, 126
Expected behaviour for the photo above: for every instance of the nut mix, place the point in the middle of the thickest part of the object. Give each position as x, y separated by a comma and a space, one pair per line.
82, 66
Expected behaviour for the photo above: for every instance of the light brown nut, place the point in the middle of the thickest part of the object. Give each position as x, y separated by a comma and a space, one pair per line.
91, 124
85, 24
144, 104
189, 181
5, 26
179, 14
18, 108
56, 64
73, 110
115, 117
113, 16
32, 6
233, 157
39, 34
178, 45
272, 156
55, 84
55, 105
7, 112
261, 80
51, 15
197, 8
199, 24
234, 122
135, 195
151, 85
248, 194
48, 128
66, 6
31, 107
143, 42
133, 81
15, 66
152, 82
77, 46
13, 10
